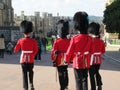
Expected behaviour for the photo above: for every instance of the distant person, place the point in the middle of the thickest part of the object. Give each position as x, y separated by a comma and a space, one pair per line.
9, 48
52, 41
2, 45
29, 48
33, 36
59, 49
96, 59
44, 43
79, 50
38, 55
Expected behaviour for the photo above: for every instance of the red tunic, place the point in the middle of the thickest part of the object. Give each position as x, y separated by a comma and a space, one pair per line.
29, 49
80, 49
60, 45
99, 49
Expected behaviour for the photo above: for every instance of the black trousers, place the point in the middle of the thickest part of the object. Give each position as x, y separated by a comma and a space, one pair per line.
38, 55
95, 77
27, 69
1, 53
63, 76
81, 79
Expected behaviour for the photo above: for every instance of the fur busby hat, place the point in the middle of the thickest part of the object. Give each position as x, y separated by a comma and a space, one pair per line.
26, 27
81, 22
63, 28
94, 28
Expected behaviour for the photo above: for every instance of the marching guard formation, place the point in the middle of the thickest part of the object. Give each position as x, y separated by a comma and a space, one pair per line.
84, 50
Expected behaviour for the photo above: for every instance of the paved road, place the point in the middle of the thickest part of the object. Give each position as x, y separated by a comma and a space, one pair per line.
45, 74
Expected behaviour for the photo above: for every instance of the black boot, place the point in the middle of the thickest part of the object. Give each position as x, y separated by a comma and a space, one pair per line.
32, 87
25, 89
66, 88
99, 87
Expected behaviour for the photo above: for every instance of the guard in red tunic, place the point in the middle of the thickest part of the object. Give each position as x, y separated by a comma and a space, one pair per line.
59, 49
29, 48
96, 58
80, 50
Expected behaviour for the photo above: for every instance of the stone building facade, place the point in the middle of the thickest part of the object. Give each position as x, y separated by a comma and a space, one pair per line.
6, 13
43, 22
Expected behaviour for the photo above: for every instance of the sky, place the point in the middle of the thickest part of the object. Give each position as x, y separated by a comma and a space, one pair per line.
63, 7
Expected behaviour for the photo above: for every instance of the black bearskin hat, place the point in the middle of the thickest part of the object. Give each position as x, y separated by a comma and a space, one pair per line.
94, 28
63, 29
81, 22
26, 27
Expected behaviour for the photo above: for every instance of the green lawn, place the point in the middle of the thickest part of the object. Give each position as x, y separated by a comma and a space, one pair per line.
115, 43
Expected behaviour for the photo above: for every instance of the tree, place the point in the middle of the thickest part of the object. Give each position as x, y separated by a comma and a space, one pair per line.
112, 18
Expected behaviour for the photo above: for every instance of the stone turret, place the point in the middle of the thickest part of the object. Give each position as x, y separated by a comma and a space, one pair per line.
6, 13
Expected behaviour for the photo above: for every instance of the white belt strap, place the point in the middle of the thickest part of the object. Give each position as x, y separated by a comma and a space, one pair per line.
97, 53
85, 53
27, 51
91, 59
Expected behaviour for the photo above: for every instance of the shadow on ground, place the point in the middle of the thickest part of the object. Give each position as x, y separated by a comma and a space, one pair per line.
111, 61
108, 62
15, 59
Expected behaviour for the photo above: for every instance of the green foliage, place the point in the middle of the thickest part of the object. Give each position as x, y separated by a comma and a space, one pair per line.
112, 17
